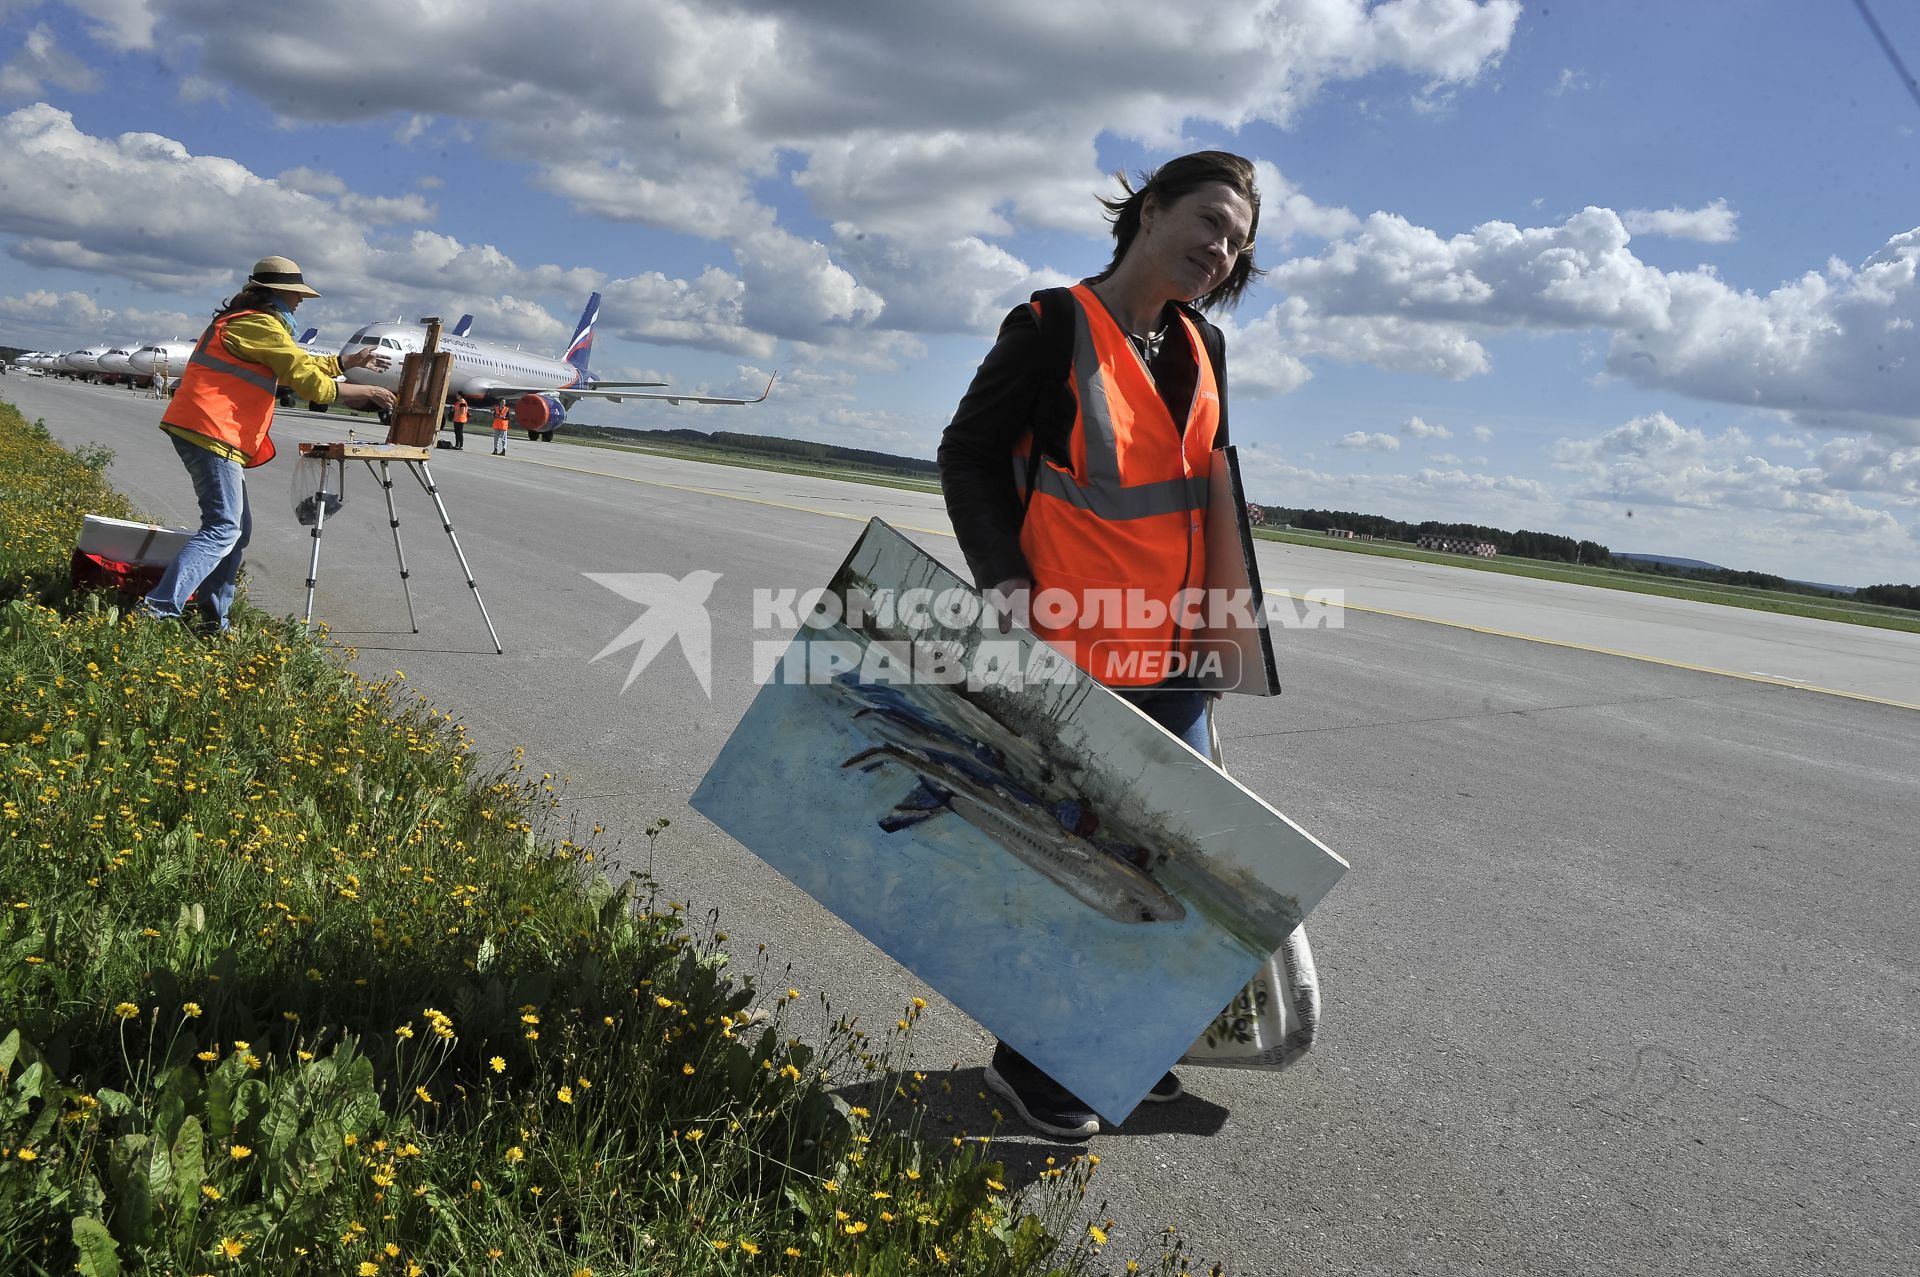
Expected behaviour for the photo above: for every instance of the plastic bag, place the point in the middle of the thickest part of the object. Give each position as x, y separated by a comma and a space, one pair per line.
1273, 1020
318, 485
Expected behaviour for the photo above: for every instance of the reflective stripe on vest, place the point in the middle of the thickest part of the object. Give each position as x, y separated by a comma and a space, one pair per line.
226, 399
1128, 513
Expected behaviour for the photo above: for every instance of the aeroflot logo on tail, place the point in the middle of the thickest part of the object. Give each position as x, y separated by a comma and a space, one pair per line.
946, 637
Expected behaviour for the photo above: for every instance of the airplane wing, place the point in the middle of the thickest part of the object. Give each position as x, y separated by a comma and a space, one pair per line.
601, 391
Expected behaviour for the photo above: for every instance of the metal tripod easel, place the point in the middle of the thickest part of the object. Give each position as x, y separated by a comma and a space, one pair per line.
379, 459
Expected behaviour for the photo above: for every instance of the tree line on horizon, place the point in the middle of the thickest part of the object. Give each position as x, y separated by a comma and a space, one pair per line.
1561, 549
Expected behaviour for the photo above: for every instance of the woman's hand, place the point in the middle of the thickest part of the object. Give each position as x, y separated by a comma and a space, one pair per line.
371, 398
366, 357
1009, 601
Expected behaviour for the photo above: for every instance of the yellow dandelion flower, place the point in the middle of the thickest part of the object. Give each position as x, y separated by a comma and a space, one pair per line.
239, 1152
207, 1056
404, 1031
27, 1155
1097, 1233
919, 1004
793, 1252
232, 1247
996, 1186
687, 1069
191, 1010
529, 1019
749, 1247
857, 1227
696, 1135
426, 1096
516, 1154
497, 1064
564, 1095
719, 1243
209, 1192
368, 1268
583, 1272
126, 1010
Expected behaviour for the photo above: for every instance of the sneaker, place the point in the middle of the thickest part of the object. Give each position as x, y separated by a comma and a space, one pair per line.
1166, 1090
1040, 1102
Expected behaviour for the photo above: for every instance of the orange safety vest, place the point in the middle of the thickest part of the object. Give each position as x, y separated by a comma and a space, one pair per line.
500, 416
460, 412
1123, 528
224, 398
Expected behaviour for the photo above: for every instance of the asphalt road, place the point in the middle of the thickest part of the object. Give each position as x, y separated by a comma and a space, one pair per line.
1623, 977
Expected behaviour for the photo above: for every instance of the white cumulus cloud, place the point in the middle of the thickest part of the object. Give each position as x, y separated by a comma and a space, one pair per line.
1714, 224
1361, 441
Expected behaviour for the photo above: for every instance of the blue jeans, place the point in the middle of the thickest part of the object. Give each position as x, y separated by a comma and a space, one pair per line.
1180, 710
210, 560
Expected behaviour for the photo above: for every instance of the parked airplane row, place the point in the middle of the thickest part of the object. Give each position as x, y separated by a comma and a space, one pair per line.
538, 391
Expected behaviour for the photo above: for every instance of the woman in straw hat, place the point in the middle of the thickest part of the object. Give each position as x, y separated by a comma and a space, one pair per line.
219, 419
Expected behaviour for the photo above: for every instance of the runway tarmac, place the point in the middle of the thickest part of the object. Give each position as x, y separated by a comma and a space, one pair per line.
1623, 978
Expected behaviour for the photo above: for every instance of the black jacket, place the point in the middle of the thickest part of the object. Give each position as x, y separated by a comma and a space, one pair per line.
1021, 384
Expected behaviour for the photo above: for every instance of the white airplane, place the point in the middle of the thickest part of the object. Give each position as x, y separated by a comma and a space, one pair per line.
114, 363
540, 390
86, 360
162, 357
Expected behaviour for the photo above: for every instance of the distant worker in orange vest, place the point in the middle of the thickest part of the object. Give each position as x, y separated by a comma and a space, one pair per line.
220, 416
460, 421
500, 430
1077, 465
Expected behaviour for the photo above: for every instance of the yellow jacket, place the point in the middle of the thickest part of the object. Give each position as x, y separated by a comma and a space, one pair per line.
262, 338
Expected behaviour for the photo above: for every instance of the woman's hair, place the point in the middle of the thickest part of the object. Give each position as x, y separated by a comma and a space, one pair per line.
1166, 186
250, 297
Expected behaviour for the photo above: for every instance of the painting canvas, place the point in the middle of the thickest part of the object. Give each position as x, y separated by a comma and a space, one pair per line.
1052, 861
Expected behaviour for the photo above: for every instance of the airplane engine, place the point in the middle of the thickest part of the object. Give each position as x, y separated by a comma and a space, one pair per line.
539, 415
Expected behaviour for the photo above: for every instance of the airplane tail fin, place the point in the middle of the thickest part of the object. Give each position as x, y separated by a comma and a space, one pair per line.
580, 349
461, 329
309, 335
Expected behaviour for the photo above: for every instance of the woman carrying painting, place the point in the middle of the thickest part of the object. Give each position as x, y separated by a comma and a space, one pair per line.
1077, 465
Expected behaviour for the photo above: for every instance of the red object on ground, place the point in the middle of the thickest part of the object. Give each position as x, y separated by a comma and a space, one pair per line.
96, 572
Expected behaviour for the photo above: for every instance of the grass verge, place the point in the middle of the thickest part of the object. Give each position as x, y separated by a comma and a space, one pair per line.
289, 985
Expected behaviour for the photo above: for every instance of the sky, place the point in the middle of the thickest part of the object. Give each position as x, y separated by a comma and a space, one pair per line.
1643, 273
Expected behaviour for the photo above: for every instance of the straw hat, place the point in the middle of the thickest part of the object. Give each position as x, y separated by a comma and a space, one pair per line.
281, 275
